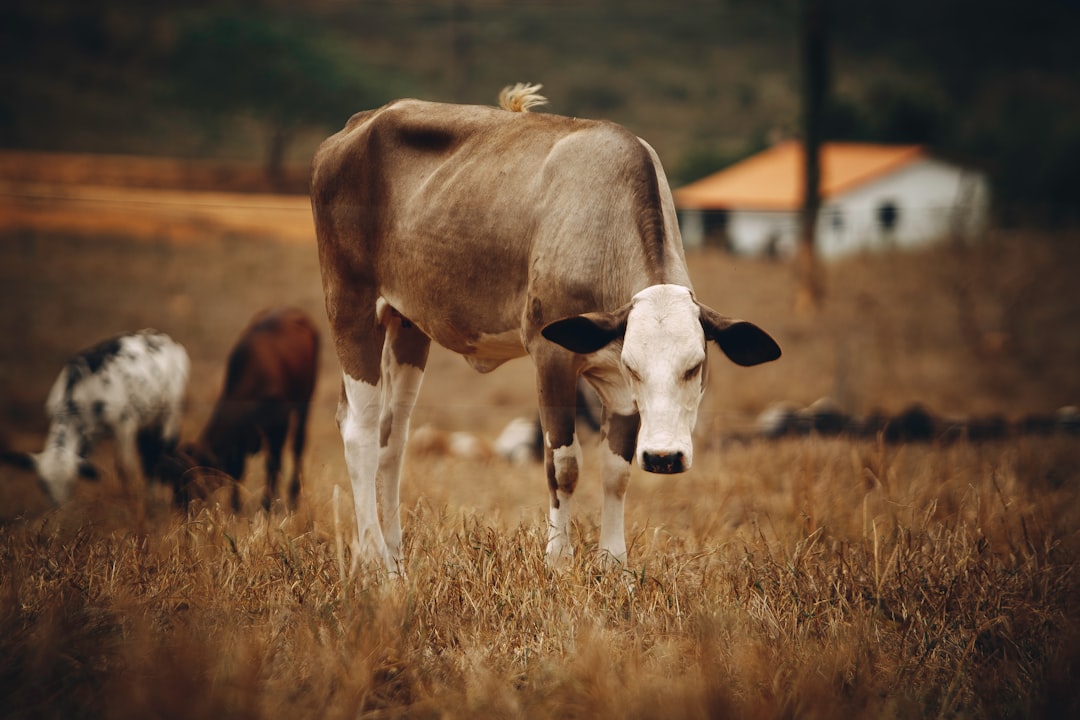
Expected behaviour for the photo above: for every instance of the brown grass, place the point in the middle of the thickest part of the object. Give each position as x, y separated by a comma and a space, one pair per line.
807, 579
802, 578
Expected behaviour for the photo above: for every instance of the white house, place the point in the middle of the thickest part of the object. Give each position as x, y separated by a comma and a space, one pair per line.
872, 196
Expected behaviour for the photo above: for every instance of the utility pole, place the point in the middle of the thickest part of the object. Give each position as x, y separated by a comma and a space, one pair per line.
810, 290
461, 49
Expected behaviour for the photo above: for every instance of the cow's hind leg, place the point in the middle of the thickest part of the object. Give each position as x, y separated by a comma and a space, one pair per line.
404, 358
374, 421
346, 232
358, 420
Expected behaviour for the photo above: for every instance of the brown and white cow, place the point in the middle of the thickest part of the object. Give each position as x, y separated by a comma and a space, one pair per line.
498, 233
269, 381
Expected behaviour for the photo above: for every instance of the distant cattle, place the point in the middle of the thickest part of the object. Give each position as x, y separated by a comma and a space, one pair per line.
522, 440
500, 233
914, 424
129, 388
269, 381
428, 440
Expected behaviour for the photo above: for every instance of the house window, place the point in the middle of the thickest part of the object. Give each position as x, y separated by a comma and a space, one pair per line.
772, 245
836, 227
716, 229
888, 216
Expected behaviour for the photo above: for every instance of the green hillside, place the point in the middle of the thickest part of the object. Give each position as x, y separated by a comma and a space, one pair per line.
992, 83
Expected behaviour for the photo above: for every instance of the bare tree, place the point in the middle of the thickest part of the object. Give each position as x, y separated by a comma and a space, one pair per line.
284, 74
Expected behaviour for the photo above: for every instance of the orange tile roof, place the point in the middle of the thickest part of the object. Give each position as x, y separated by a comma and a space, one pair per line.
772, 179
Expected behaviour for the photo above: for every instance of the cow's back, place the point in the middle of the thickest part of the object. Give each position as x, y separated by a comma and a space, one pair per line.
451, 213
141, 376
276, 358
420, 180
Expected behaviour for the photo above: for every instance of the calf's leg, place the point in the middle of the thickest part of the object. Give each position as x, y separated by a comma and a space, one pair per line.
299, 440
275, 430
128, 468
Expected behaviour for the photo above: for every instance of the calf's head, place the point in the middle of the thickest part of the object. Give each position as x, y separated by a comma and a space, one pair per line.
663, 330
193, 473
55, 470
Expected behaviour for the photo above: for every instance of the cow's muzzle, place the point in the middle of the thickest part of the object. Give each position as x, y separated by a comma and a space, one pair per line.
664, 463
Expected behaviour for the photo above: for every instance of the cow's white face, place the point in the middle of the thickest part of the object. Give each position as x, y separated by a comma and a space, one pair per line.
663, 331
663, 360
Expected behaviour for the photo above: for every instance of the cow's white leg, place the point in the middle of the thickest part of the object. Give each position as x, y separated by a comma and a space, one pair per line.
353, 309
616, 478
565, 462
620, 433
404, 358
358, 419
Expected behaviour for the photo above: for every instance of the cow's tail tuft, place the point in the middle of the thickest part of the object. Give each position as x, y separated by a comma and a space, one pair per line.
521, 97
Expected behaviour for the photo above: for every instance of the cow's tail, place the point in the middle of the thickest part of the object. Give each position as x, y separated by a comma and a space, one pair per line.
521, 97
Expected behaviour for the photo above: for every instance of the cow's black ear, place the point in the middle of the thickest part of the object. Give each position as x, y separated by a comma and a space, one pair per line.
743, 342
20, 460
588, 332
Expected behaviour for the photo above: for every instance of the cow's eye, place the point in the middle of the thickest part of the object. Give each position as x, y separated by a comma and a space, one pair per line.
692, 372
632, 373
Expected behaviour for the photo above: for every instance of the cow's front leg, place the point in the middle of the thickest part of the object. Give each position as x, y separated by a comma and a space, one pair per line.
620, 433
562, 459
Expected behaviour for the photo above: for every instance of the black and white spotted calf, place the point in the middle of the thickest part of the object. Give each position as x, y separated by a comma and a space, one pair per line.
129, 388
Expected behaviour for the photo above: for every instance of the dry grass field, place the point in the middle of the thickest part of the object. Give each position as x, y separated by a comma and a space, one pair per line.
807, 577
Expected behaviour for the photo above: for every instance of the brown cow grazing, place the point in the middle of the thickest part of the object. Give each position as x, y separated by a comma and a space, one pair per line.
500, 233
269, 381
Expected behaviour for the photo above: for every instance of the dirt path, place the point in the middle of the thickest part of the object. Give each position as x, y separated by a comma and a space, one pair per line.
175, 215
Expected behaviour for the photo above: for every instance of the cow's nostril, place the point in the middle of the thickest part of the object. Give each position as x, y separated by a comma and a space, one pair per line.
663, 463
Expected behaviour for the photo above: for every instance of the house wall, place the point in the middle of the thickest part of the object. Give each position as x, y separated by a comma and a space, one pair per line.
700, 228
930, 200
692, 228
756, 232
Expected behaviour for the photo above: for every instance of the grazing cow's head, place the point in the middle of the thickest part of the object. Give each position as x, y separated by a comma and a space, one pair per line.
663, 332
55, 469
192, 472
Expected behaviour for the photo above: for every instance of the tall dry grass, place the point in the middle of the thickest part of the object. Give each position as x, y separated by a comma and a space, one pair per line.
802, 578
807, 578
